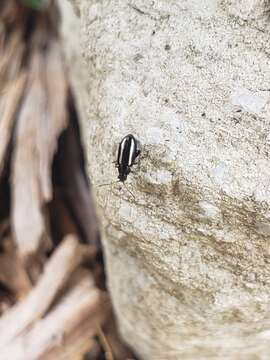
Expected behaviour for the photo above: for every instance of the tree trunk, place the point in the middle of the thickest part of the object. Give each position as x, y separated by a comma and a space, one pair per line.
188, 258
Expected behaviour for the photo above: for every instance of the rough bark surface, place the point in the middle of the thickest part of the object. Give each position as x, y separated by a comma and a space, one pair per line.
188, 259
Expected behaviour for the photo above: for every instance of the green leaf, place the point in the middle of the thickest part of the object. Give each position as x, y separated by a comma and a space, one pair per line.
35, 4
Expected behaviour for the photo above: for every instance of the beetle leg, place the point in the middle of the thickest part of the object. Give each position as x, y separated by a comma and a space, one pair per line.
138, 148
138, 163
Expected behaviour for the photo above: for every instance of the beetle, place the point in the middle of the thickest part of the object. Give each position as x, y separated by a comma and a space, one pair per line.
129, 149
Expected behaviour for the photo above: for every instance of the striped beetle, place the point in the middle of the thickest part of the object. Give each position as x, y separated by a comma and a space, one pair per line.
128, 150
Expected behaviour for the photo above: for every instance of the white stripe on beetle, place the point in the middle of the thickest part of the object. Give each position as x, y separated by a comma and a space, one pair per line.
131, 152
122, 150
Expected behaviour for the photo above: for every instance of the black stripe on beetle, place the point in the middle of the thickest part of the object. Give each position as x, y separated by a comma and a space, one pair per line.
128, 150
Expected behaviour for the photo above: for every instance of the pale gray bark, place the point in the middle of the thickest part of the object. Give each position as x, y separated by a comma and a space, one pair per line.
188, 260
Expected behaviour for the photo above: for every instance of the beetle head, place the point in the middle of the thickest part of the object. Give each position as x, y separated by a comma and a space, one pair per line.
123, 173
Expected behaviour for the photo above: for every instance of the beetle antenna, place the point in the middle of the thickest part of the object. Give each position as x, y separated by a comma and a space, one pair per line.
129, 190
106, 184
